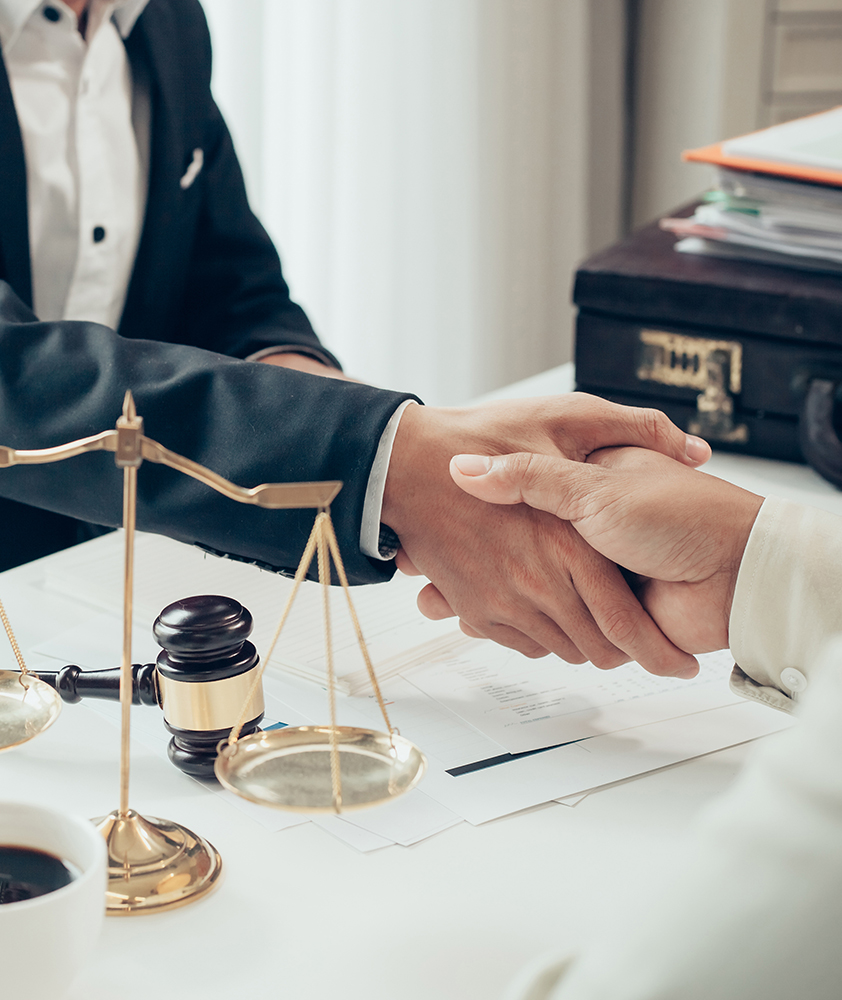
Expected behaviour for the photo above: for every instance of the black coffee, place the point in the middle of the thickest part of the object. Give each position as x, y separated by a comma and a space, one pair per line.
26, 873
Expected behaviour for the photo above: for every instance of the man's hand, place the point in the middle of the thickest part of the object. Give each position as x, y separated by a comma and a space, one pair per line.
684, 531
305, 363
520, 576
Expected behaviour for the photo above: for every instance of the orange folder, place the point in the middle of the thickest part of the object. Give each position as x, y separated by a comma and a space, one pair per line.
714, 154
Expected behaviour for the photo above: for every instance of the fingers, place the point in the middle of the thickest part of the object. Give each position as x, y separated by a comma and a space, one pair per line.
431, 604
599, 613
635, 460
517, 640
584, 642
512, 638
617, 631
544, 482
405, 564
644, 428
602, 619
543, 637
624, 622
470, 630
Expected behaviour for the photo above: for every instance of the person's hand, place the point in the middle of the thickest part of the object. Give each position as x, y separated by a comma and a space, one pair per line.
516, 575
305, 363
684, 531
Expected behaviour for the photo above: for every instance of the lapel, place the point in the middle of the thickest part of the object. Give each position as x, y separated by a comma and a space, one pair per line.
157, 40
14, 223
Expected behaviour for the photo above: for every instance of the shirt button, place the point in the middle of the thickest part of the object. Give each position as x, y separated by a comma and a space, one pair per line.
794, 680
98, 234
51, 14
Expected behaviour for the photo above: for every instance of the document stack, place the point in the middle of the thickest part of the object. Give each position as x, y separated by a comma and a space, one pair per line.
778, 197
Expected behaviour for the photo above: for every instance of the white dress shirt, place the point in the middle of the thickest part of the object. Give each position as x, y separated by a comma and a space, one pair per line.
751, 906
86, 179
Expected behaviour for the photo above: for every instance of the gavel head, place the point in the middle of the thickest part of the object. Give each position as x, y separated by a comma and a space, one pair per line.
206, 670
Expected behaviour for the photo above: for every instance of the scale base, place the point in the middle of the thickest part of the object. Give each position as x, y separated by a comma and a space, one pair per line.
154, 865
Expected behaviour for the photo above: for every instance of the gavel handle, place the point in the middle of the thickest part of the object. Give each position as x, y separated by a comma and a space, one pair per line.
73, 684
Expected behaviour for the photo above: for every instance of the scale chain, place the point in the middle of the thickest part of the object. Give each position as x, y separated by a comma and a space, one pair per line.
343, 579
7, 625
303, 566
322, 548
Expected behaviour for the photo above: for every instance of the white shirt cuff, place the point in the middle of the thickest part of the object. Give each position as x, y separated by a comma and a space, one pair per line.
373, 505
787, 601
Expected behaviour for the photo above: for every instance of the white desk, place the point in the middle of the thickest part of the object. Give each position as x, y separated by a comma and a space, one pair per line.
303, 915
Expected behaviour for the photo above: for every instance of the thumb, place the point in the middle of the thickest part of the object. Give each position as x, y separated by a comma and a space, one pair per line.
545, 482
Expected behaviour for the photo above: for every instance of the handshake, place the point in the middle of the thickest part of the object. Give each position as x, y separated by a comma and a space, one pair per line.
523, 533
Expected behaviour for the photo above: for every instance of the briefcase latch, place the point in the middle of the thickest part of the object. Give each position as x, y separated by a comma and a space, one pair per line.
712, 366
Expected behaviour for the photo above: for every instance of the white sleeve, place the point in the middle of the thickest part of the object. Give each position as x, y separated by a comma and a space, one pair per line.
787, 601
373, 504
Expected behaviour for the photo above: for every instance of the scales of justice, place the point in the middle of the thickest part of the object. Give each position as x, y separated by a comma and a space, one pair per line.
155, 864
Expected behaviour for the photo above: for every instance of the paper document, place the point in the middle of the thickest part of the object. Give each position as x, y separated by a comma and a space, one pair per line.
525, 704
740, 251
487, 794
422, 720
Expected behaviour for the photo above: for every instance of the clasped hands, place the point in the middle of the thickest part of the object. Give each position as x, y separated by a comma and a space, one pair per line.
522, 532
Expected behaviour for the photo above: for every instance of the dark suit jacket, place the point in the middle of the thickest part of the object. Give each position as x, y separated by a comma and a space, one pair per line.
206, 276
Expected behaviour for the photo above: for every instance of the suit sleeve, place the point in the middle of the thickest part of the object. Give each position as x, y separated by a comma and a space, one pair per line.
249, 422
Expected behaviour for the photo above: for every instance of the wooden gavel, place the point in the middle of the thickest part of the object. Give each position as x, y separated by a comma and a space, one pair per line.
201, 679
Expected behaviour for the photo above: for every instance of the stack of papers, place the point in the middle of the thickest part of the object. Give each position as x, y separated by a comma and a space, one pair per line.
778, 197
501, 732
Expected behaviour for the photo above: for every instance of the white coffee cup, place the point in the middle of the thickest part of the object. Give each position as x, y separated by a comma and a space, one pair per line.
45, 941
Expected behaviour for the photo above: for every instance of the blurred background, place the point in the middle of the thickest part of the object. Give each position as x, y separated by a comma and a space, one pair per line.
432, 171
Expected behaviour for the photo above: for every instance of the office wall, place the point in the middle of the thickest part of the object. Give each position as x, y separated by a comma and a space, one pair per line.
697, 79
431, 171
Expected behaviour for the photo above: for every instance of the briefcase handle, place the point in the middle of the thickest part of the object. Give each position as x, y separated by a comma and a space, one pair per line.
819, 440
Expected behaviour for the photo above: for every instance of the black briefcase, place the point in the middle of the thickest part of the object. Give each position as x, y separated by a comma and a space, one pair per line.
746, 355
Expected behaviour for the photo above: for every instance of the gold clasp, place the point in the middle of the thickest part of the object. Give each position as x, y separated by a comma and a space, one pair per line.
713, 366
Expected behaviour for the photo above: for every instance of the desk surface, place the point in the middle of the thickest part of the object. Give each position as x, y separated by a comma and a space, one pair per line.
305, 915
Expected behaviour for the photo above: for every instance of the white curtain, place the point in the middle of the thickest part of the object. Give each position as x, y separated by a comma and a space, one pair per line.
424, 167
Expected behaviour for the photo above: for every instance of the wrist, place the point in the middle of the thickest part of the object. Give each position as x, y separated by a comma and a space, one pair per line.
412, 450
424, 443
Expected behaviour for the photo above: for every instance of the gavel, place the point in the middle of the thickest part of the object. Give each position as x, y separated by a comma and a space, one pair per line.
201, 678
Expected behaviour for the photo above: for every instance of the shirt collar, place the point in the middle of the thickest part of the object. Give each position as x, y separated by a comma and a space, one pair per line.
126, 13
15, 13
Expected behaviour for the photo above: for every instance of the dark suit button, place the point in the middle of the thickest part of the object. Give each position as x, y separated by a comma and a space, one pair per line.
98, 234
52, 14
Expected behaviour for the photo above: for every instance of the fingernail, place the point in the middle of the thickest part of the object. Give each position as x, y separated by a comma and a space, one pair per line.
696, 449
472, 465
